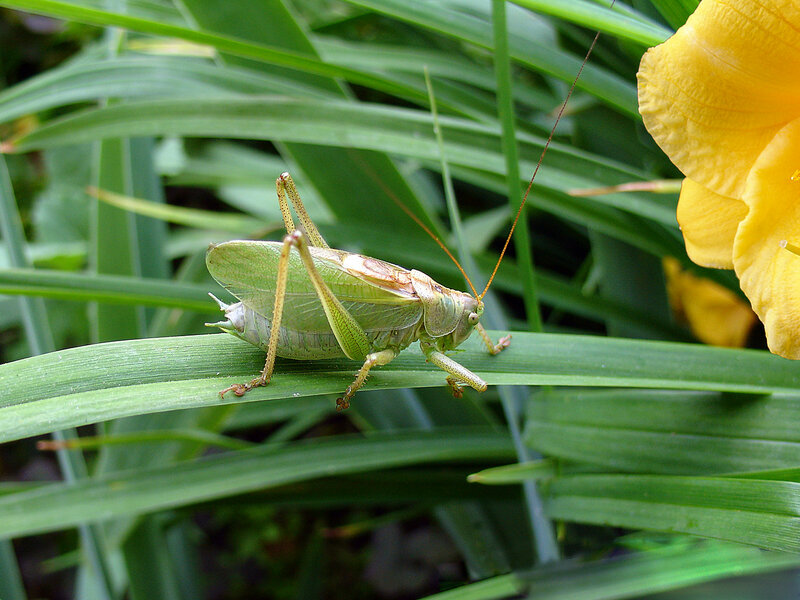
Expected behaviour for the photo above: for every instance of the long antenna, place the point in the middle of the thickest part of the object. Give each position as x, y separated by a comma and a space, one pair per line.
539, 164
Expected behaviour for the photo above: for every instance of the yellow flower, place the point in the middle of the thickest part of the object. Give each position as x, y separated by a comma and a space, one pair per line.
722, 99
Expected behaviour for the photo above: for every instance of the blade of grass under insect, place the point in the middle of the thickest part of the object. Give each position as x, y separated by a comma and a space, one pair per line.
40, 340
666, 432
640, 30
529, 52
104, 381
754, 512
144, 490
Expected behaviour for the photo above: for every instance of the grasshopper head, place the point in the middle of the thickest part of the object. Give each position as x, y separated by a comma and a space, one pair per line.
471, 311
449, 316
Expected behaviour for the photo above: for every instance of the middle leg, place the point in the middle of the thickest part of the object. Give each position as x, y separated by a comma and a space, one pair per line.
374, 359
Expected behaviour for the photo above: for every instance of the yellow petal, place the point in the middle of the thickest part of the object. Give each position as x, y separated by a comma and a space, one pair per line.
715, 314
715, 93
708, 222
768, 273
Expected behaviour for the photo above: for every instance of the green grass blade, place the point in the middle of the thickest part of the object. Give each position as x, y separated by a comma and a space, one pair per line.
505, 107
336, 123
113, 289
148, 562
666, 432
114, 244
442, 65
11, 587
172, 435
630, 275
675, 11
136, 76
494, 588
191, 217
527, 51
688, 562
754, 512
237, 47
590, 15
144, 490
105, 381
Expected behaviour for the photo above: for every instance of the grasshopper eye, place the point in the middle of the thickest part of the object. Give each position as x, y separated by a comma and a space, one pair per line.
473, 318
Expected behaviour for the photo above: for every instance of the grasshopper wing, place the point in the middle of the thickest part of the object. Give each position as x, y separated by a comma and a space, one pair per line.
248, 270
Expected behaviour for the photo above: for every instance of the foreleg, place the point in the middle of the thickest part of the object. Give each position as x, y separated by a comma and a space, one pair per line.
502, 343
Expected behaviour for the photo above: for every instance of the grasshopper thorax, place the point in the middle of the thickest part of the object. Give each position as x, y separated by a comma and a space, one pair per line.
449, 316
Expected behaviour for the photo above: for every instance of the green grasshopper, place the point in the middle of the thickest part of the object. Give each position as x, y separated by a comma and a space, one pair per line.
345, 304
339, 304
